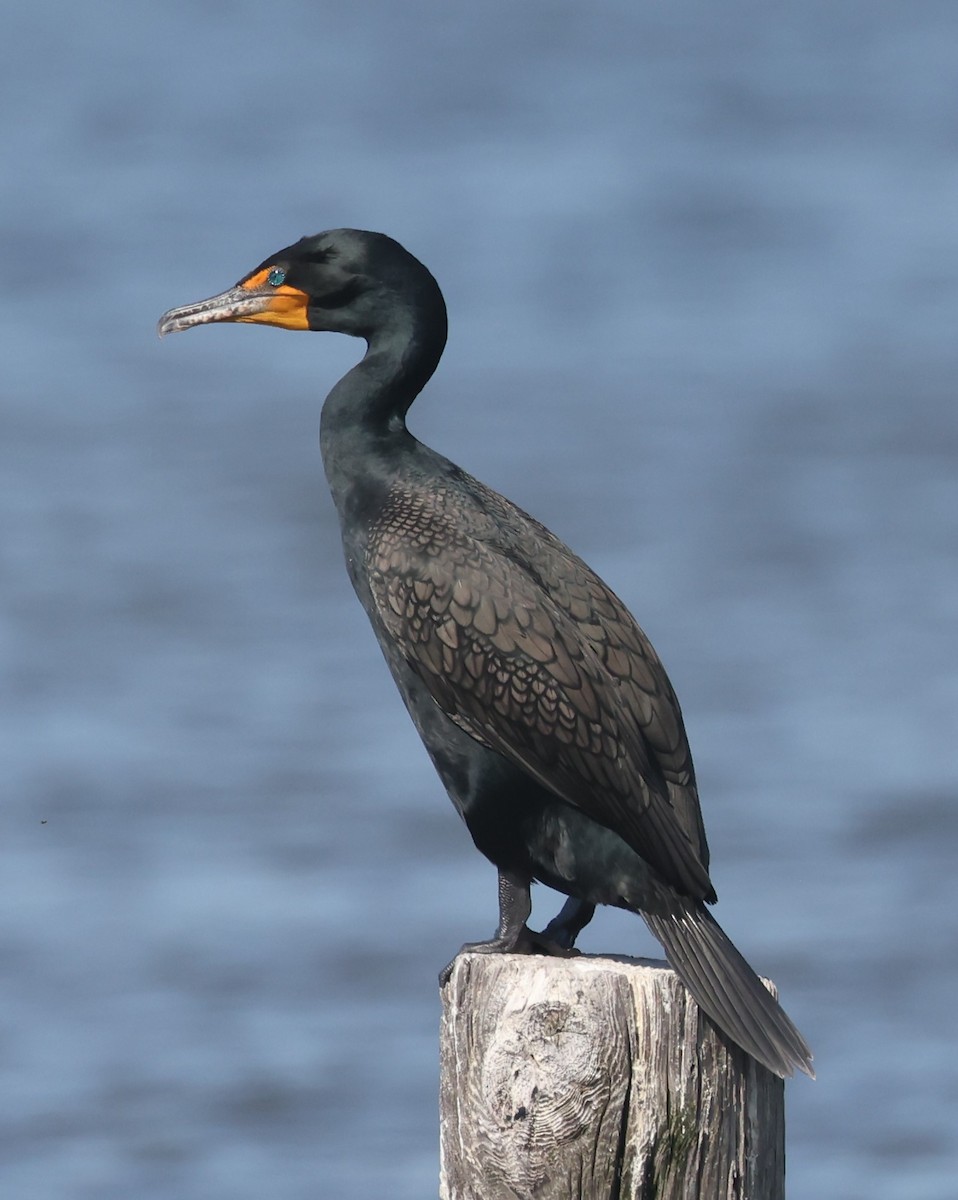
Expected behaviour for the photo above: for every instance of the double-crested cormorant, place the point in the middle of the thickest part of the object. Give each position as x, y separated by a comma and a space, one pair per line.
542, 704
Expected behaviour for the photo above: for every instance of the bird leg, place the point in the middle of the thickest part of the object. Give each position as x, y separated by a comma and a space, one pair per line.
566, 926
513, 935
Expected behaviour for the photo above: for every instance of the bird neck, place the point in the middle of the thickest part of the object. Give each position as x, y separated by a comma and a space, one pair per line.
363, 424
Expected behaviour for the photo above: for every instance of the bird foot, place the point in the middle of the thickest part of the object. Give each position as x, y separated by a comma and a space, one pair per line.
528, 941
559, 933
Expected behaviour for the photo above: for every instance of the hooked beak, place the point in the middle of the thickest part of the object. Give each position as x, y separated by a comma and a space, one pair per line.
253, 300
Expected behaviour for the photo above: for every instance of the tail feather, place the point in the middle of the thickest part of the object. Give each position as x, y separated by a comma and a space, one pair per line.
727, 989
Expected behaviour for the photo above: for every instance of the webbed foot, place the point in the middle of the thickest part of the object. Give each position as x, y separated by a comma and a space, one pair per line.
527, 941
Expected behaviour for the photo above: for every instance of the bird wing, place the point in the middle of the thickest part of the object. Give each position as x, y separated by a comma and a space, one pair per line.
503, 661
623, 649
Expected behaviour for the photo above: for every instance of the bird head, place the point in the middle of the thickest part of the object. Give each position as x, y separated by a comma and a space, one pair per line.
342, 281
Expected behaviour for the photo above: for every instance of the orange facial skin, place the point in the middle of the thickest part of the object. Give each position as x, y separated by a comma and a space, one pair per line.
286, 307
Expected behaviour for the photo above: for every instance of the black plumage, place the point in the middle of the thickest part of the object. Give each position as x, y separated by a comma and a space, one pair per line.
542, 704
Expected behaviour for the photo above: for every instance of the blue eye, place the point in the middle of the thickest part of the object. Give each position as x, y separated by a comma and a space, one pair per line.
276, 276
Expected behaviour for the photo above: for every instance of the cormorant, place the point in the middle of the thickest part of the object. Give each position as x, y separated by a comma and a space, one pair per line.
542, 704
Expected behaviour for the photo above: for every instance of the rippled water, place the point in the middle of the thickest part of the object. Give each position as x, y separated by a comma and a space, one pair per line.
702, 268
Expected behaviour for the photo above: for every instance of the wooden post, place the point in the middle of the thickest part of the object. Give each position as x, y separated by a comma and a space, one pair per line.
597, 1079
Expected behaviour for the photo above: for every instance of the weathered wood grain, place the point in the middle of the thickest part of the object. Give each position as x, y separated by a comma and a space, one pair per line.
597, 1079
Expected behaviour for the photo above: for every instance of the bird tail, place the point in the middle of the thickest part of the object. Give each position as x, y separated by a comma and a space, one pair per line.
727, 989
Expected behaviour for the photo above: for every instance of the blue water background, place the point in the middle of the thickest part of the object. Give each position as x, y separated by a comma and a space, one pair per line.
702, 267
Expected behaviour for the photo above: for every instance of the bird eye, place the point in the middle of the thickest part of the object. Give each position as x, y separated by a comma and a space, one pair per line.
276, 276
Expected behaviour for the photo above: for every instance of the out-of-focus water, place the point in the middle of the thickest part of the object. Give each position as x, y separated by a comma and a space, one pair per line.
702, 268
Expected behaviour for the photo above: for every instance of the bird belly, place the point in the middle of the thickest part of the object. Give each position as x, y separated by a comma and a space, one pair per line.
518, 824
